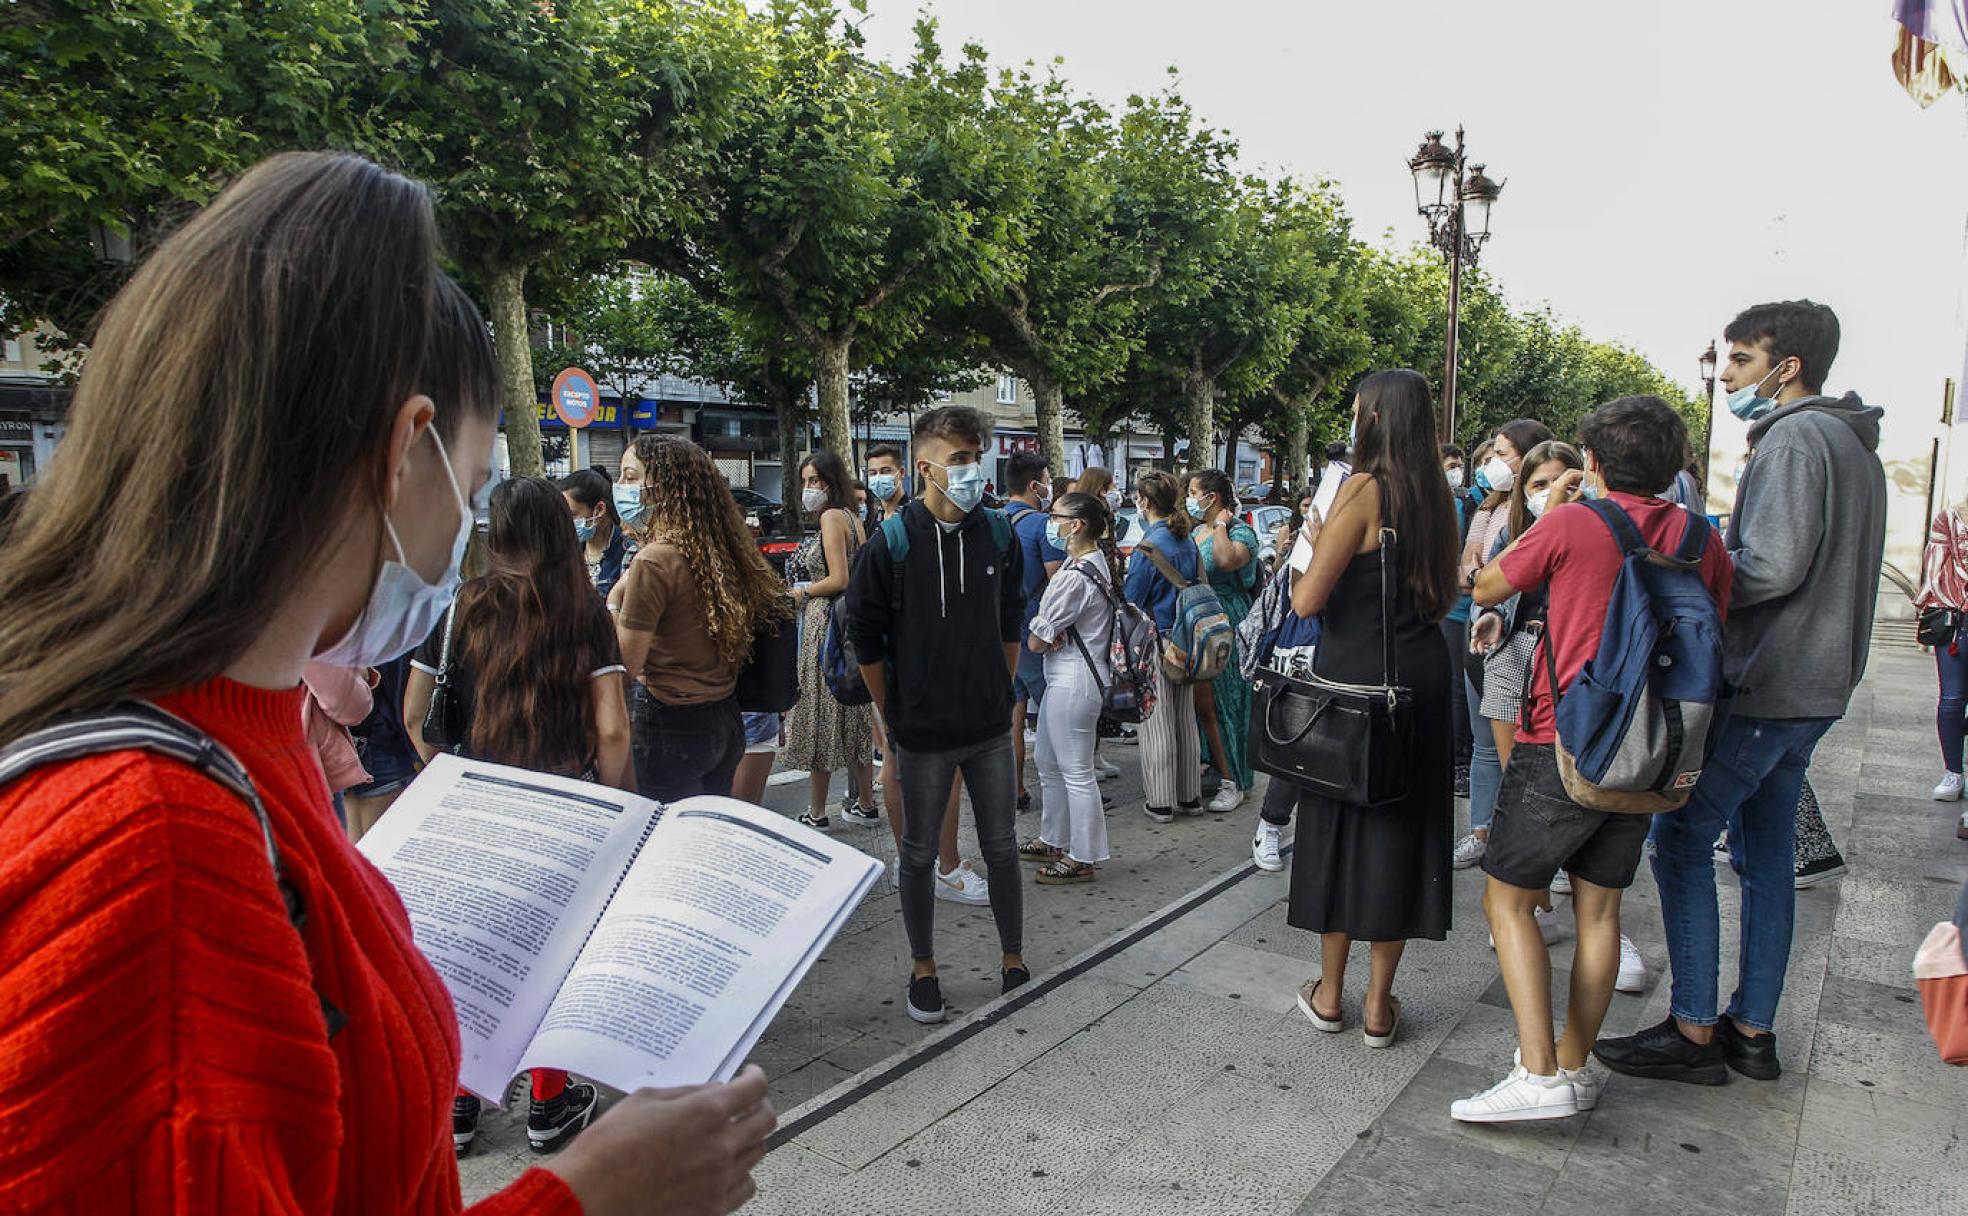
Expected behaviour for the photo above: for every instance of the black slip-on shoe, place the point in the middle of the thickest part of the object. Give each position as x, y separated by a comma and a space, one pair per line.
1015, 978
1663, 1053
926, 999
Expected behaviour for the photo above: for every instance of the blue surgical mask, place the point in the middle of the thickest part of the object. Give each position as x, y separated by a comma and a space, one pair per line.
966, 488
629, 505
1748, 403
403, 608
1194, 506
882, 486
1054, 536
584, 529
1482, 481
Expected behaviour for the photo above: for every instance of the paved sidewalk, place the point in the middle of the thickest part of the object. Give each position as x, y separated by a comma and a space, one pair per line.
1167, 1069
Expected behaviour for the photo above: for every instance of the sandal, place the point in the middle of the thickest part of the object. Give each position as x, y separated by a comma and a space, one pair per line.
1039, 851
1387, 1039
819, 823
1330, 1025
1063, 872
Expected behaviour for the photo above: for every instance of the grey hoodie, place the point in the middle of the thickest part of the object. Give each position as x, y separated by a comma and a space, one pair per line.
1807, 536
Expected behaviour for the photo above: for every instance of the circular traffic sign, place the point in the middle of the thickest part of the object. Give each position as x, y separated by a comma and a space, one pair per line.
576, 397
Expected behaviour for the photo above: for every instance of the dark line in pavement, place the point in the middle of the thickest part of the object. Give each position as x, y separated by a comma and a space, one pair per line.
1031, 992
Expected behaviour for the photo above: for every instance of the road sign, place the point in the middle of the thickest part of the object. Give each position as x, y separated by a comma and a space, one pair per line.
575, 397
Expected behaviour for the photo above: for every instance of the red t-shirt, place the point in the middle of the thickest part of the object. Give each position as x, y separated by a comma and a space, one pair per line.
1574, 551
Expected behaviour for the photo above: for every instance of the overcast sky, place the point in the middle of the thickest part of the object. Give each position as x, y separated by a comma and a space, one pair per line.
1667, 162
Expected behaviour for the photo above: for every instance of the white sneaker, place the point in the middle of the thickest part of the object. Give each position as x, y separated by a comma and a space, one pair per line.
1633, 970
1105, 770
963, 885
1264, 848
1547, 926
1518, 1097
1031, 737
1949, 790
1561, 883
1227, 799
1585, 1084
1470, 850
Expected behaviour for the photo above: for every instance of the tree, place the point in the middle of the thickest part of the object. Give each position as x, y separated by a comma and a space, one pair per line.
119, 117
545, 129
844, 196
625, 330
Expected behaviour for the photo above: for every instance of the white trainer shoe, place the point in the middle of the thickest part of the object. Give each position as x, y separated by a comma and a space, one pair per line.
1633, 969
1518, 1097
1470, 850
1586, 1084
1264, 848
1561, 883
1104, 769
963, 885
1949, 790
1227, 799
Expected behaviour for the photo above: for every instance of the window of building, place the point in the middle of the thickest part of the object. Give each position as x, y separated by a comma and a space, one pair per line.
12, 353
1007, 390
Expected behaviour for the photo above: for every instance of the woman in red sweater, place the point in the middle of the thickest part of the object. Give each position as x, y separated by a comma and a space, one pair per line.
270, 459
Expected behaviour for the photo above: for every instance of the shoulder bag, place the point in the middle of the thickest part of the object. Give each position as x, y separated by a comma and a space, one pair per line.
442, 729
1339, 741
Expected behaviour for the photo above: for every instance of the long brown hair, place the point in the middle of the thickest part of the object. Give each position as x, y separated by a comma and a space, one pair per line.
1095, 481
691, 506
1091, 510
1164, 493
533, 632
235, 409
1543, 453
1396, 447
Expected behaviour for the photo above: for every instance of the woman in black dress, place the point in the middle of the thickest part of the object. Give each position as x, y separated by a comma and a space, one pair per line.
1382, 874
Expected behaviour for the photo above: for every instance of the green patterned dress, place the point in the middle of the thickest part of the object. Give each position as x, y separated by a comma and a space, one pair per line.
1235, 589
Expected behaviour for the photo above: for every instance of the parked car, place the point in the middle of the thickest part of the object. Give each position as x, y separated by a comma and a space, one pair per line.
751, 502
1264, 520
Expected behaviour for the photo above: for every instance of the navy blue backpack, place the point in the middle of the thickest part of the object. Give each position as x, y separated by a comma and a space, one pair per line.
1633, 729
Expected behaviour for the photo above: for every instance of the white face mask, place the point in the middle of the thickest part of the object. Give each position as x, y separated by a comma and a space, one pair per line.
403, 608
1500, 475
1455, 477
811, 500
1536, 503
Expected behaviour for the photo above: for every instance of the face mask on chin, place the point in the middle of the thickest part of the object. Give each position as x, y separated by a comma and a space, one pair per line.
403, 608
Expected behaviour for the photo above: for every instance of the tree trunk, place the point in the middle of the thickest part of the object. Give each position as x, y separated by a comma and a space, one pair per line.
506, 290
1200, 390
791, 435
836, 427
1297, 437
1050, 404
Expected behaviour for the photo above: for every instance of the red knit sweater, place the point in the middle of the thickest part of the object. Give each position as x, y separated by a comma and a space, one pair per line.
161, 1042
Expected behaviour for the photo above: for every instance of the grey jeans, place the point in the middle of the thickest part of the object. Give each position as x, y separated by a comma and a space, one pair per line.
992, 784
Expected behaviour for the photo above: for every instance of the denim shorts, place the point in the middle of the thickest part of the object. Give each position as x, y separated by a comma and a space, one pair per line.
1539, 830
761, 732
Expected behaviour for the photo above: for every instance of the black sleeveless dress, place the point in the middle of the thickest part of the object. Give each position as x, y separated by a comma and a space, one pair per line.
1382, 874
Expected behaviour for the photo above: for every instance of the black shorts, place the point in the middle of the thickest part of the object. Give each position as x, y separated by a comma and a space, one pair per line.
1539, 830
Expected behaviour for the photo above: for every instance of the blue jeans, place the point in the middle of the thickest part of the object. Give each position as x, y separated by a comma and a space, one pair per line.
1485, 770
1753, 780
1954, 703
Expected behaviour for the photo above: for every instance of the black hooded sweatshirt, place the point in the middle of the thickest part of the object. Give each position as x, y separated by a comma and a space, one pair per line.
963, 601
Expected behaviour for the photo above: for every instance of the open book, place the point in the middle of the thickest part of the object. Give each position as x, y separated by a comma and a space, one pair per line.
585, 928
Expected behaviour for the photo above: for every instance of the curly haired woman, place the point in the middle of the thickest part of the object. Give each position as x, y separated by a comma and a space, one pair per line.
692, 598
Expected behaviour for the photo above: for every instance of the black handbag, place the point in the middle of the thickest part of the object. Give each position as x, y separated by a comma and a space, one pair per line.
442, 729
1937, 625
1339, 741
768, 683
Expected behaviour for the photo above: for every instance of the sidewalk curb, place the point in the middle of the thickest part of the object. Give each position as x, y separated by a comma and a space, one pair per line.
881, 1075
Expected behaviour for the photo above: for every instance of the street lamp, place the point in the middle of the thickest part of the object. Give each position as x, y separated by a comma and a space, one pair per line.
1455, 198
1708, 362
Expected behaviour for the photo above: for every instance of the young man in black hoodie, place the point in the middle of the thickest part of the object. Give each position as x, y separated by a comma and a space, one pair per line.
1807, 535
937, 632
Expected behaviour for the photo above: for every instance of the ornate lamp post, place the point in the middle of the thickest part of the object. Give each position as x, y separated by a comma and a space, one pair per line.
1708, 361
1455, 198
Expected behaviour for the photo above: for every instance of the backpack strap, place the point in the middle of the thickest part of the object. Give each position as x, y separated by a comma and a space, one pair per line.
1625, 535
1163, 564
896, 533
142, 726
1000, 528
1694, 541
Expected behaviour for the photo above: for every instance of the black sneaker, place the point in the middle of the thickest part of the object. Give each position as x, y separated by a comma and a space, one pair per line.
464, 1123
926, 1000
1663, 1053
1190, 809
1462, 781
1014, 978
552, 1123
1824, 869
819, 823
854, 812
1160, 814
1754, 1056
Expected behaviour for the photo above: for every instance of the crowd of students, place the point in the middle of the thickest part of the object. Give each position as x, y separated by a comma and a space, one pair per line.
603, 630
